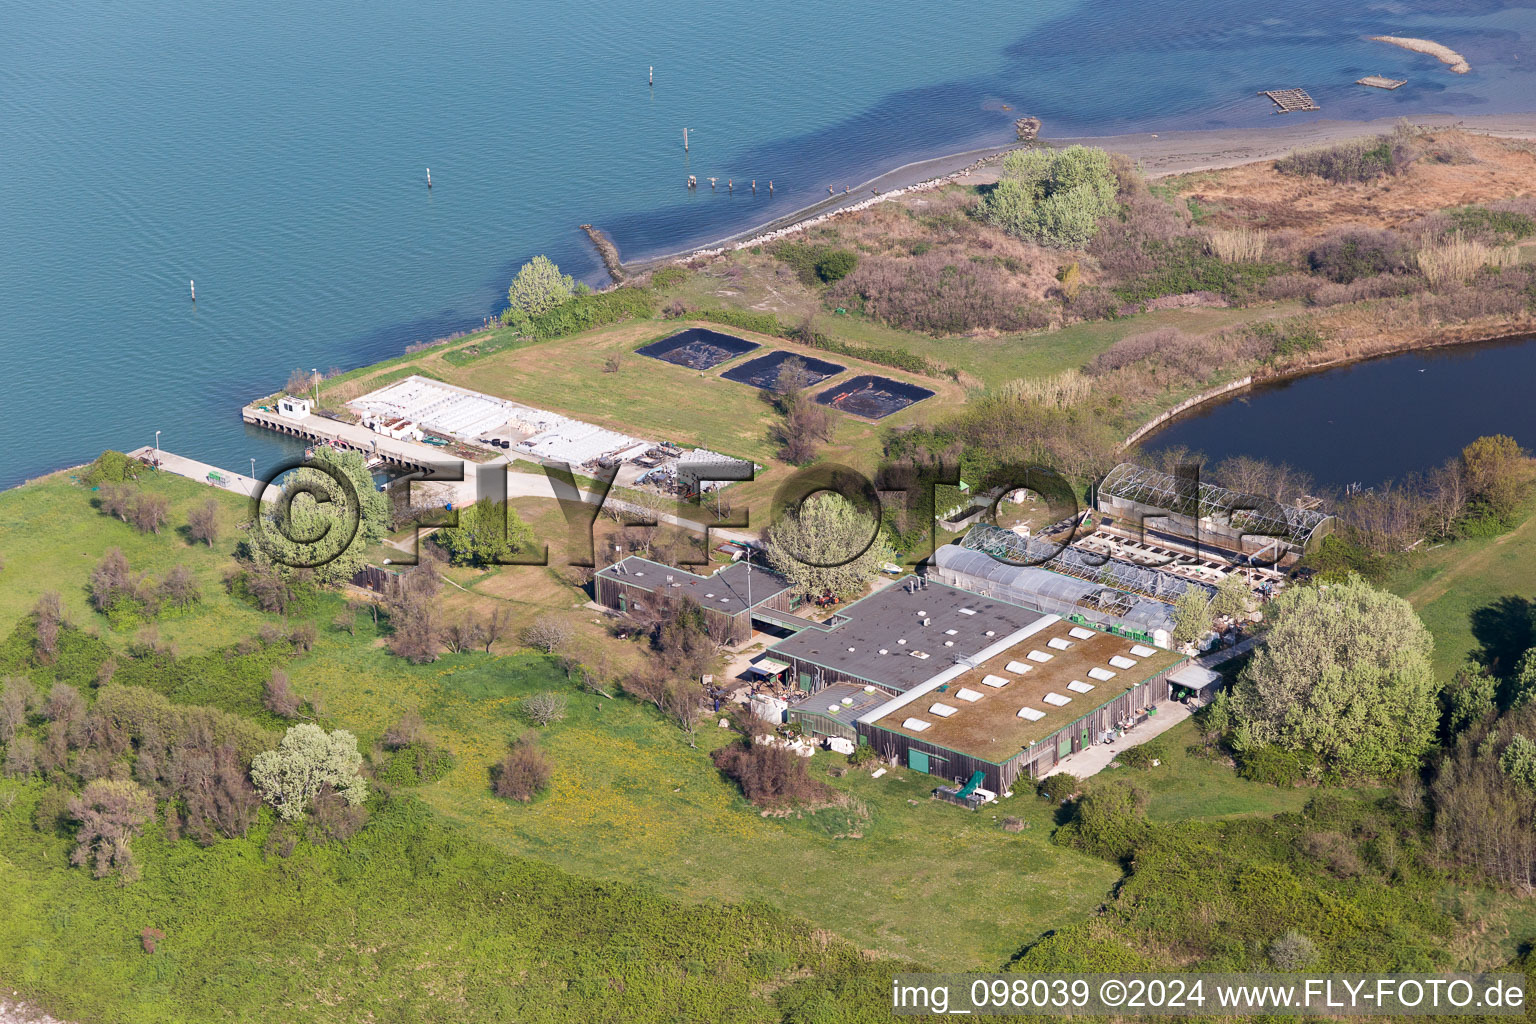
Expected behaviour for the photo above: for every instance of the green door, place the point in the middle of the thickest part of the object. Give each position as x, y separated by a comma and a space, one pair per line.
917, 760
623, 603
1064, 745
805, 681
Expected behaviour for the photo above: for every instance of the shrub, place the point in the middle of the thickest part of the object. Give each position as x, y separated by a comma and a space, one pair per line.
1292, 951
770, 776
545, 708
1058, 788
940, 294
1141, 757
1054, 197
584, 312
1350, 162
836, 265
1273, 765
1346, 256
1185, 265
668, 277
414, 764
111, 812
523, 773
111, 467
1494, 225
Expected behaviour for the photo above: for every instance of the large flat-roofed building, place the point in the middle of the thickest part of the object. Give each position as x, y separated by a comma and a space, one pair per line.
731, 597
969, 684
899, 637
1019, 712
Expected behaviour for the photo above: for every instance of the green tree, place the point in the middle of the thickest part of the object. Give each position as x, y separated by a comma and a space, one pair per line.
1232, 595
1522, 683
1467, 699
1191, 616
825, 545
308, 758
321, 525
1054, 197
489, 533
836, 265
1499, 474
538, 288
1519, 761
1344, 673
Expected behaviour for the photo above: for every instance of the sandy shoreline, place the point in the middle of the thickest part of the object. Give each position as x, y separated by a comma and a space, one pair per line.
1159, 154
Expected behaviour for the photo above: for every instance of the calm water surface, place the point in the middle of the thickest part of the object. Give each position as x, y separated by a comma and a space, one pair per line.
1373, 421
276, 151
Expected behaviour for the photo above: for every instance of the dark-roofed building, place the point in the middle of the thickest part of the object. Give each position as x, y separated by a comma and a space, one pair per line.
899, 637
835, 711
730, 597
951, 683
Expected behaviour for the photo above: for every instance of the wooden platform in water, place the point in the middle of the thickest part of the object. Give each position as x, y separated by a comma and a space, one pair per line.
1291, 100
1382, 82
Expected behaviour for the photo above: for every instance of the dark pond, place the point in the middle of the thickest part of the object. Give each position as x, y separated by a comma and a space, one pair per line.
1373, 421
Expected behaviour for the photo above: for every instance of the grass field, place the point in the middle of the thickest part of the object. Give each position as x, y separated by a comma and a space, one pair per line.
51, 537
1476, 595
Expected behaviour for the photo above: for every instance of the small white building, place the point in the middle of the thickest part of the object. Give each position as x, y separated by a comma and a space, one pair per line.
293, 408
397, 427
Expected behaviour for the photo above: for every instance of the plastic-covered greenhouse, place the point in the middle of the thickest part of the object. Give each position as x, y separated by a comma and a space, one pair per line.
1008, 546
1052, 592
1243, 513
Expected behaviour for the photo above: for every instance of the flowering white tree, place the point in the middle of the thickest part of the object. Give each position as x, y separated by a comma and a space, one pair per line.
307, 758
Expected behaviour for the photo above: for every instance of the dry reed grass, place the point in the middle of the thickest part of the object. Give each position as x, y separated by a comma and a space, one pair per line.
1458, 258
1237, 245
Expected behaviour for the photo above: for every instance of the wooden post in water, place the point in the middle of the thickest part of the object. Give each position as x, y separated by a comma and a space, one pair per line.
685, 140
770, 186
754, 186
650, 77
193, 286
429, 178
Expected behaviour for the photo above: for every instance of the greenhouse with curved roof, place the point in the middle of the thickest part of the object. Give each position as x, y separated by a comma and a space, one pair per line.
1194, 511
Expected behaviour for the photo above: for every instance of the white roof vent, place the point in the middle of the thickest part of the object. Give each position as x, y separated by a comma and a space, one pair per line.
1057, 699
1031, 714
915, 725
884, 651
942, 710
967, 611
919, 655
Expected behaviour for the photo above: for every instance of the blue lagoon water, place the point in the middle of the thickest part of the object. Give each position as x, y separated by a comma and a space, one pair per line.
276, 153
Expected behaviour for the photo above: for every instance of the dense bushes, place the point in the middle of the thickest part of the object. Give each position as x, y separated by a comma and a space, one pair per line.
1185, 265
771, 776
1054, 197
596, 309
1346, 256
1273, 765
940, 294
1237, 894
524, 772
812, 263
111, 467
1359, 161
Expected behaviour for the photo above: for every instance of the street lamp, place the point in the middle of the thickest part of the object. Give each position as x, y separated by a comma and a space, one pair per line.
157, 449
316, 377
253, 469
